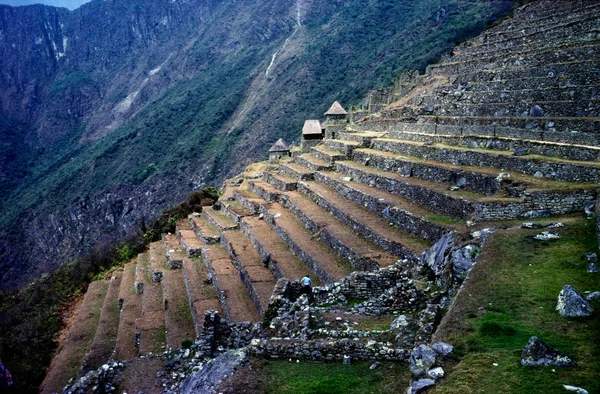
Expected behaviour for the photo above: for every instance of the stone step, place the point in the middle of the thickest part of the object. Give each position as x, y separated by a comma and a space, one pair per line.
362, 254
205, 231
201, 293
273, 251
70, 356
174, 252
344, 146
538, 12
178, 315
580, 30
233, 295
484, 180
581, 71
544, 83
492, 138
364, 222
281, 182
531, 58
219, 219
573, 130
264, 191
326, 154
349, 140
249, 200
296, 171
188, 239
158, 261
235, 210
127, 346
151, 324
565, 108
525, 27
257, 278
434, 196
106, 334
485, 94
549, 167
514, 201
312, 163
396, 210
318, 257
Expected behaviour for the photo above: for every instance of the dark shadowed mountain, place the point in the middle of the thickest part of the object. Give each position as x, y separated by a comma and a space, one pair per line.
117, 110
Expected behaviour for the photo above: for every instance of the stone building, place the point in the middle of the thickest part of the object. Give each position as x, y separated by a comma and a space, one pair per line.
278, 150
336, 119
312, 134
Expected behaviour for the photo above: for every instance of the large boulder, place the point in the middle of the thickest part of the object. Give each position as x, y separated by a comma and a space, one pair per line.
538, 353
210, 376
436, 257
463, 260
572, 304
442, 348
421, 359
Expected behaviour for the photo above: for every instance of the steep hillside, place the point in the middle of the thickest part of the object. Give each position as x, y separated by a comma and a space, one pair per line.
105, 107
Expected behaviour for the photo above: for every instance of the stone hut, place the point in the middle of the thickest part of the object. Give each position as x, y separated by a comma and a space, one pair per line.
278, 150
312, 134
335, 120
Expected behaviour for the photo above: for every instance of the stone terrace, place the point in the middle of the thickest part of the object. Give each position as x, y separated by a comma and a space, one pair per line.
507, 127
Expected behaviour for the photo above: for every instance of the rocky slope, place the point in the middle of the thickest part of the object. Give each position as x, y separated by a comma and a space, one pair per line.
103, 108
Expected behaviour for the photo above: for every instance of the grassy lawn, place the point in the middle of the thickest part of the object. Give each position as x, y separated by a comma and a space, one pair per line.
511, 296
317, 378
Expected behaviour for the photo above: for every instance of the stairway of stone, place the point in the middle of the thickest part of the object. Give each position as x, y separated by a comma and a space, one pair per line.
71, 354
506, 125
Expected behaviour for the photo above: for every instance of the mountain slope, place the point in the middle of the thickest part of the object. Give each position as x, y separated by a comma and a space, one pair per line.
111, 104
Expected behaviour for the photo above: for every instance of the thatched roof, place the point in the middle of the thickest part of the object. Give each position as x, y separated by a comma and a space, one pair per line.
280, 146
312, 127
336, 109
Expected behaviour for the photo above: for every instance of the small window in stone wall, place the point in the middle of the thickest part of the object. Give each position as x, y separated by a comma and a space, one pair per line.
369, 284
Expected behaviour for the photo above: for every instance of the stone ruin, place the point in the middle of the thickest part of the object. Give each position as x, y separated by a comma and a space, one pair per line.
386, 208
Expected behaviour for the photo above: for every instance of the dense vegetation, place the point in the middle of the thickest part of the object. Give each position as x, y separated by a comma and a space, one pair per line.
31, 317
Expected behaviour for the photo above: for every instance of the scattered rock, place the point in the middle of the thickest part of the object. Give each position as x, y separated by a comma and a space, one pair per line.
590, 257
531, 225
538, 174
462, 182
555, 225
421, 359
546, 236
399, 323
420, 386
520, 152
578, 390
572, 304
503, 177
537, 214
442, 348
592, 268
593, 296
483, 233
590, 208
536, 111
538, 353
374, 365
436, 373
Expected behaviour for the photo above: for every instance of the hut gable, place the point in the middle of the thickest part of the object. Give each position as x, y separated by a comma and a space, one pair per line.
336, 109
279, 146
312, 128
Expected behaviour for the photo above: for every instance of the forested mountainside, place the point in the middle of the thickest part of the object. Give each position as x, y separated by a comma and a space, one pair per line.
106, 108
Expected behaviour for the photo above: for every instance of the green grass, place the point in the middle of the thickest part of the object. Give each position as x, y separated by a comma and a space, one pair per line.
510, 297
444, 219
316, 378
